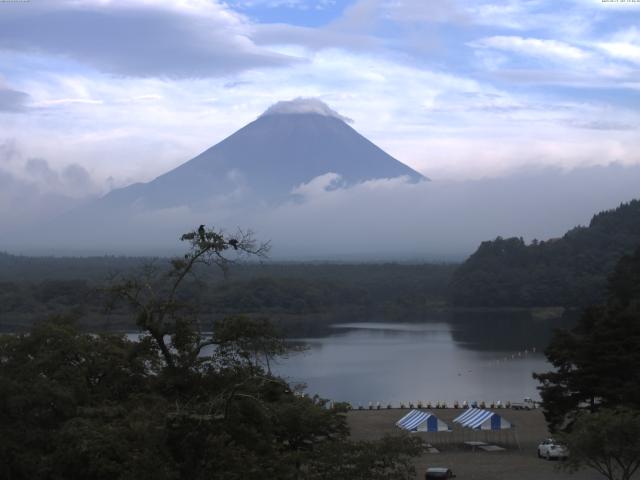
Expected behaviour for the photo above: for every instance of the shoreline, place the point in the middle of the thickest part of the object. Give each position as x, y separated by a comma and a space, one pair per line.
292, 323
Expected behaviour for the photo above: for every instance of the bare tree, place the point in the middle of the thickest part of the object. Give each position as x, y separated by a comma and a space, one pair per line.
154, 294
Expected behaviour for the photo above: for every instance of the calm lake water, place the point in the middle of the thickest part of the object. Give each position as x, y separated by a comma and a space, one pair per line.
465, 359
465, 356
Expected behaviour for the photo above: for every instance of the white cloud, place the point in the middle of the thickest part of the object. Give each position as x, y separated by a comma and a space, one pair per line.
512, 15
213, 9
440, 121
389, 218
304, 105
67, 101
519, 15
12, 100
536, 47
380, 219
624, 45
274, 34
32, 192
185, 38
424, 11
580, 63
624, 51
441, 124
318, 185
297, 4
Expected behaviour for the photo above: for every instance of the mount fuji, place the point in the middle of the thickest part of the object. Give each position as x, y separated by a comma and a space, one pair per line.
288, 145
291, 148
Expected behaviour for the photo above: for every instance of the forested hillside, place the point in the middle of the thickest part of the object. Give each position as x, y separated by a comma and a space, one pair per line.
570, 271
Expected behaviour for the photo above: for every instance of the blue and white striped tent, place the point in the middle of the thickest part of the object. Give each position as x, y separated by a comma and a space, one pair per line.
479, 419
419, 421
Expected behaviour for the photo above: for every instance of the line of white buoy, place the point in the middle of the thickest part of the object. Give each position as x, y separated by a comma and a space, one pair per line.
514, 356
528, 403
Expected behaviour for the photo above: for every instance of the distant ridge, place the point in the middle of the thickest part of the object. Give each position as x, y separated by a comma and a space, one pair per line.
570, 271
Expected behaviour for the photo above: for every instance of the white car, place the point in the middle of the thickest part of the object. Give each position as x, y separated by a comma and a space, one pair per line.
551, 449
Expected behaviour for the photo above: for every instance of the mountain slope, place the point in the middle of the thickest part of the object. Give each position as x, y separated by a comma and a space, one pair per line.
266, 160
569, 271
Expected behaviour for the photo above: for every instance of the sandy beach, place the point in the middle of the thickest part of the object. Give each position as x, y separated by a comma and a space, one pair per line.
518, 461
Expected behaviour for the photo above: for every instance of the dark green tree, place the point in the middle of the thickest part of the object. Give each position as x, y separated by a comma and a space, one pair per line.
597, 364
189, 399
570, 271
73, 403
607, 441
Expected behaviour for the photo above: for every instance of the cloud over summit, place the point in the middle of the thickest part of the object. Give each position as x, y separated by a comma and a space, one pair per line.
302, 105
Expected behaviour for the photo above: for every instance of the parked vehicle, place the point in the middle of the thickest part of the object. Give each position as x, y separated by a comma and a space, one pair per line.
527, 404
549, 449
438, 472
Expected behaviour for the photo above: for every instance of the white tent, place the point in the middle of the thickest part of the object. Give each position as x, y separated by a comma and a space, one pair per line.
419, 421
479, 419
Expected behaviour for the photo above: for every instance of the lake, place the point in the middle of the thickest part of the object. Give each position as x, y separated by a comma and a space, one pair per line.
467, 358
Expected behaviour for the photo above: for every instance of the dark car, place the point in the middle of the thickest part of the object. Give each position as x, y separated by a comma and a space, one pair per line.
438, 472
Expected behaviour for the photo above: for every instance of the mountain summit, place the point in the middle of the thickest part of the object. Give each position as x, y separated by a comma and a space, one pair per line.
290, 144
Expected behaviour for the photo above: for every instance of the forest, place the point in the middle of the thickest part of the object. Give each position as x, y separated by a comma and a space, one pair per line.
78, 405
570, 271
299, 295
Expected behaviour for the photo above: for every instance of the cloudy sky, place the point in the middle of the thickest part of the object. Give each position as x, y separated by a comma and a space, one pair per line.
101, 93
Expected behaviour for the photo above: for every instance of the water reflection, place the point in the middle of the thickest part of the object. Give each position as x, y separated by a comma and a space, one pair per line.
504, 331
402, 362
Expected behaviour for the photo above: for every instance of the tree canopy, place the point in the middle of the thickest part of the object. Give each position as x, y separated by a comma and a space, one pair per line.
570, 271
597, 363
176, 402
299, 296
607, 441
